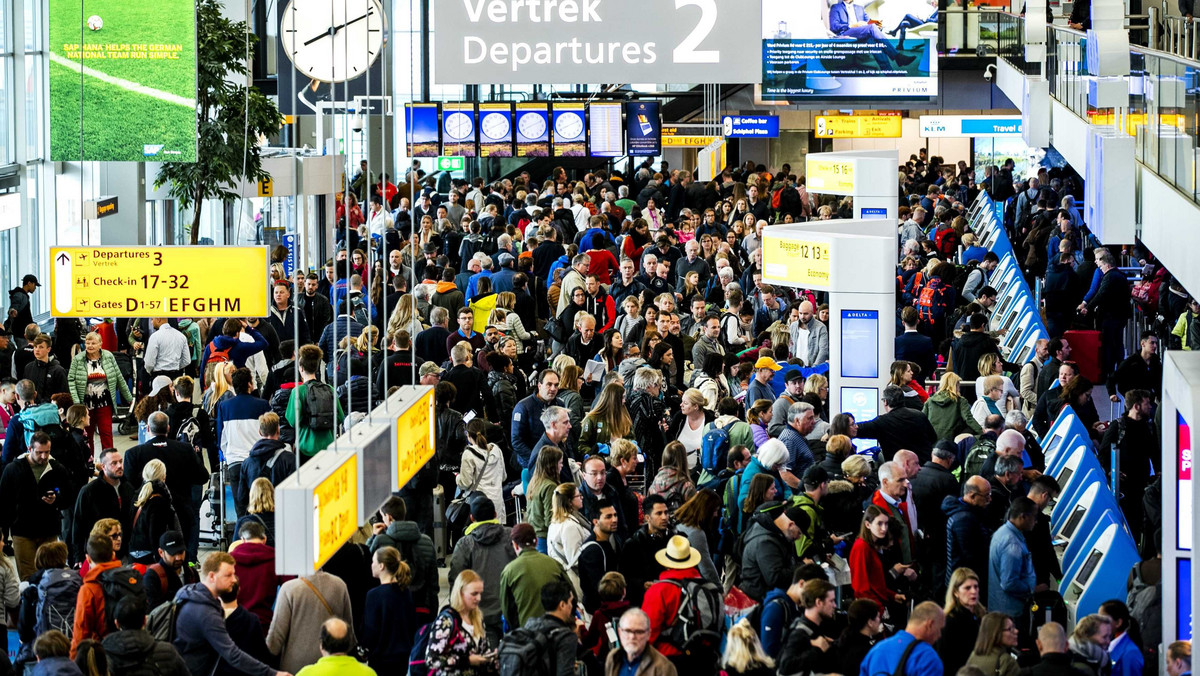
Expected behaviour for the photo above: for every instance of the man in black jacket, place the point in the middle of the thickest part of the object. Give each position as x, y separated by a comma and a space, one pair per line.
110, 496
185, 467
638, 563
768, 553
899, 427
970, 347
1136, 440
47, 374
1041, 546
559, 625
132, 648
1112, 309
473, 393
30, 509
1141, 371
601, 553
806, 650
930, 488
315, 306
967, 531
169, 573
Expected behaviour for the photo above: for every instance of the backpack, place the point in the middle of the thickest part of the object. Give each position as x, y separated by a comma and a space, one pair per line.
976, 457
775, 199
1147, 291
946, 241
554, 328
318, 406
1145, 606
161, 621
1021, 216
714, 447
528, 653
215, 357
189, 432
931, 303
701, 614
117, 584
56, 595
416, 657
44, 418
491, 244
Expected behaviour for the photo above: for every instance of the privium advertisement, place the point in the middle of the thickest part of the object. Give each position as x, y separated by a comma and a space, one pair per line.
849, 49
533, 41
122, 80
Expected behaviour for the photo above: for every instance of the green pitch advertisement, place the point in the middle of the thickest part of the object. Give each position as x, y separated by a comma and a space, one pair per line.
123, 80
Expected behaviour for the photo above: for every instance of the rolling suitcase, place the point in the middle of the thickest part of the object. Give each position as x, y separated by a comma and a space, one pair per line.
1085, 351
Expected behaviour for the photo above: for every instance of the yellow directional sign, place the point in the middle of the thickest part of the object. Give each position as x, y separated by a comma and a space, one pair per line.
795, 261
266, 187
858, 126
171, 281
335, 501
835, 177
687, 141
414, 438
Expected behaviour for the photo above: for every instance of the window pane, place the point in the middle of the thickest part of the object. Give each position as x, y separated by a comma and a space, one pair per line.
34, 14
7, 152
34, 64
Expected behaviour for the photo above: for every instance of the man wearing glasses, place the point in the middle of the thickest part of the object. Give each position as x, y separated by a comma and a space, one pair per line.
635, 654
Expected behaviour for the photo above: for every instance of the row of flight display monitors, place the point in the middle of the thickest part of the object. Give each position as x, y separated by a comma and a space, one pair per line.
534, 129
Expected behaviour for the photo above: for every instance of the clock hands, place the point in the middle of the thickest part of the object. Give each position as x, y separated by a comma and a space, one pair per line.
335, 29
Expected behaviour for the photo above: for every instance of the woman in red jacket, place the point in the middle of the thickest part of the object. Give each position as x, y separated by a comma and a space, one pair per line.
867, 574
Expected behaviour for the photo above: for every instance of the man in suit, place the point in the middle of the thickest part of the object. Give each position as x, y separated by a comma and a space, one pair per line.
899, 428
914, 346
847, 19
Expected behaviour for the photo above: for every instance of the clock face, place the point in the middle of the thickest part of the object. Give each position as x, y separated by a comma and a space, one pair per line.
459, 126
495, 125
532, 126
568, 125
333, 40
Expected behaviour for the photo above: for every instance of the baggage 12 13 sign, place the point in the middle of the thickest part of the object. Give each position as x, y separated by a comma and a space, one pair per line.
796, 262
171, 281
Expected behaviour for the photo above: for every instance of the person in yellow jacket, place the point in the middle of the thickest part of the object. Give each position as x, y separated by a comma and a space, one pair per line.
482, 304
1186, 333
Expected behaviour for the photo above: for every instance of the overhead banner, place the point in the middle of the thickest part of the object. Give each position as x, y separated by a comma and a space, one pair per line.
750, 126
122, 81
814, 51
957, 126
643, 129
534, 41
858, 126
166, 281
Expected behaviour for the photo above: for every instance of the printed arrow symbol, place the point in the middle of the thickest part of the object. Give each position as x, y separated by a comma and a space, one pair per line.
63, 258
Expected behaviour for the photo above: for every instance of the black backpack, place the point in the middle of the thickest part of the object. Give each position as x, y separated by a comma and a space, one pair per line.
701, 614
318, 406
525, 652
118, 584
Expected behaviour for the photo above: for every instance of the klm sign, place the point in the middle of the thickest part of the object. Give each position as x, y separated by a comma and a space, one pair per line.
957, 126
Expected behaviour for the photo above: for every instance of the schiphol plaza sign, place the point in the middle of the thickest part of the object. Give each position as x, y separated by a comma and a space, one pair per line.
528, 41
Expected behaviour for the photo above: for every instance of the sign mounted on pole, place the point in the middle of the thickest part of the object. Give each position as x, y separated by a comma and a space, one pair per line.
532, 41
322, 507
166, 281
858, 126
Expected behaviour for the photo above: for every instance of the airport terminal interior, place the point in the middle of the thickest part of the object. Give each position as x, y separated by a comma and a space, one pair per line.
598, 337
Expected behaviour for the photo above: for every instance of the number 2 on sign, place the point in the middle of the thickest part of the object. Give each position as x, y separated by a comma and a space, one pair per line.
686, 52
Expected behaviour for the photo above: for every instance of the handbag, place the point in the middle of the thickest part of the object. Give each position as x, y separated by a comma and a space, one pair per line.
458, 512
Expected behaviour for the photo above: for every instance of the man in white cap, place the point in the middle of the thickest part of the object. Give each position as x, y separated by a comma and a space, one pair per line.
663, 600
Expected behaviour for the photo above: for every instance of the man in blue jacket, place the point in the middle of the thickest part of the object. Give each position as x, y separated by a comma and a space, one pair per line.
914, 646
200, 634
527, 425
850, 20
1011, 578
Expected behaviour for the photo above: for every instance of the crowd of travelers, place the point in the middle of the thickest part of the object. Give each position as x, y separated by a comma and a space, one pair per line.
633, 429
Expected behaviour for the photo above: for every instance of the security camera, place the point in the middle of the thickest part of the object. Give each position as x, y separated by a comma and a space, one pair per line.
359, 121
989, 73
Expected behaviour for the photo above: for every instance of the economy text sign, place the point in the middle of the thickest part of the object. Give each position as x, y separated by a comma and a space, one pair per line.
532, 41
122, 80
414, 438
168, 281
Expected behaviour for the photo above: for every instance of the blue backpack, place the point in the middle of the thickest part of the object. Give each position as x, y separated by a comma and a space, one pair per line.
714, 447
416, 658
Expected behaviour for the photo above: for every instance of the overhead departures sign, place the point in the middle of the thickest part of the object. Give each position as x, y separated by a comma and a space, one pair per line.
122, 80
335, 507
532, 41
183, 281
414, 439
806, 262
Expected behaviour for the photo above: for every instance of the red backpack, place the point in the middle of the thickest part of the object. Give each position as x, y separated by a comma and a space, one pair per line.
931, 303
215, 357
946, 241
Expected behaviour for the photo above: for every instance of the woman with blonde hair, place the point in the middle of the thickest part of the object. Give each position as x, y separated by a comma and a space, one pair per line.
154, 514
568, 531
991, 364
948, 411
995, 644
540, 492
261, 508
405, 316
512, 324
220, 389
963, 615
673, 481
687, 426
744, 655
458, 643
607, 421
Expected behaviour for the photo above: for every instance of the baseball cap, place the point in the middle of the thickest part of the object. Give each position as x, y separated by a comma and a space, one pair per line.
798, 517
4, 332
430, 369
815, 476
158, 383
30, 278
767, 363
172, 542
482, 509
793, 375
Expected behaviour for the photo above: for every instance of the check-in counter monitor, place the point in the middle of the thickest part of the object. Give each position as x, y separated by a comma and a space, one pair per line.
1083, 504
1010, 316
1072, 440
1100, 573
989, 237
1077, 457
1067, 424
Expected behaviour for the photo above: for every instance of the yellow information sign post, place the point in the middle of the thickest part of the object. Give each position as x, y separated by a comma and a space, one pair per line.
335, 507
858, 126
805, 262
414, 438
171, 281
835, 177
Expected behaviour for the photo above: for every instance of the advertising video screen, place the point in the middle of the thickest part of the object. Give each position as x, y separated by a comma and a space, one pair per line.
605, 138
570, 130
495, 130
122, 80
850, 49
459, 129
643, 129
1183, 445
860, 344
533, 130
421, 129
